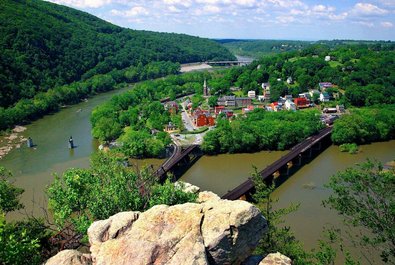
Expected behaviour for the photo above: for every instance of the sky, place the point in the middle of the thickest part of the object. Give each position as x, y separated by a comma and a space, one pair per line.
251, 19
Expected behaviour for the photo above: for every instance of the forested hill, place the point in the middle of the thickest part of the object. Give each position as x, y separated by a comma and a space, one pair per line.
44, 45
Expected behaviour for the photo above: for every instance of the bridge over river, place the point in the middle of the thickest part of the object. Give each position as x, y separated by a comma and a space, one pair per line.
295, 155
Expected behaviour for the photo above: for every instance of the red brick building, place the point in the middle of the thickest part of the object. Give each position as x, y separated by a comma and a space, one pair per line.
302, 102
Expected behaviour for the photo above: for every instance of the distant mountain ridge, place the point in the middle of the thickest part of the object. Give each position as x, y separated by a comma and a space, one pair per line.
44, 45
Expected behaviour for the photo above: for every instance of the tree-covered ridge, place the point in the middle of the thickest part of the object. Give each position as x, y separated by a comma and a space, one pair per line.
259, 48
364, 73
44, 45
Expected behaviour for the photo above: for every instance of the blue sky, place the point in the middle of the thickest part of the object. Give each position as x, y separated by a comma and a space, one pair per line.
251, 19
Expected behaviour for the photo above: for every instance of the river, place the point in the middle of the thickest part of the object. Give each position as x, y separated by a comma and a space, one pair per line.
33, 168
224, 172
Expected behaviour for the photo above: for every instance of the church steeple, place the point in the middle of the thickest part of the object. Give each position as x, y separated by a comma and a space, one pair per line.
205, 88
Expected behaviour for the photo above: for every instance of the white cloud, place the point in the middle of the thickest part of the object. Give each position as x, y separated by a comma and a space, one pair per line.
366, 9
322, 9
287, 3
83, 3
211, 9
364, 23
174, 9
133, 12
185, 3
285, 19
340, 16
386, 24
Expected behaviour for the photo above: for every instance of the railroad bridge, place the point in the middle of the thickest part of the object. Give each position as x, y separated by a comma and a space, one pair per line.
180, 158
283, 165
230, 63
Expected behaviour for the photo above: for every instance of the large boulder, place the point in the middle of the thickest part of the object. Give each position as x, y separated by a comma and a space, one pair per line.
213, 232
276, 259
70, 257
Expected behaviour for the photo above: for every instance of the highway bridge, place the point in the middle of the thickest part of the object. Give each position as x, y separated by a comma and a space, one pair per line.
294, 154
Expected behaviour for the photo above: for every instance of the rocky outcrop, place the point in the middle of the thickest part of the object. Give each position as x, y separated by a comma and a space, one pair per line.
213, 231
70, 257
276, 259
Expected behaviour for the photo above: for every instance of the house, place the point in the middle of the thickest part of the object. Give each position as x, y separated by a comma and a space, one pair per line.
302, 102
305, 95
288, 97
202, 118
327, 58
227, 101
290, 105
290, 81
251, 94
170, 127
218, 109
324, 97
340, 108
247, 109
313, 92
228, 113
324, 85
266, 91
277, 106
265, 86
242, 101
261, 98
171, 107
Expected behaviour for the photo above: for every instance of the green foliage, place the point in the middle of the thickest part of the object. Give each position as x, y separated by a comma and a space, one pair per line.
20, 242
141, 110
9, 194
365, 125
82, 196
259, 48
350, 148
365, 196
142, 144
277, 238
44, 46
169, 194
261, 130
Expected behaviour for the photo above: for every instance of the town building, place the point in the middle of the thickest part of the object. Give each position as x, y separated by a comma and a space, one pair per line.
171, 107
202, 118
324, 97
327, 58
290, 105
290, 81
324, 85
302, 102
251, 94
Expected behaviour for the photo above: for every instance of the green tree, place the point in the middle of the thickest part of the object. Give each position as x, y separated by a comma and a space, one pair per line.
365, 197
278, 238
20, 242
9, 194
82, 196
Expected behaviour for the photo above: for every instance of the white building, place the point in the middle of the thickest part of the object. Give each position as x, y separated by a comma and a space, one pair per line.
289, 105
251, 94
327, 58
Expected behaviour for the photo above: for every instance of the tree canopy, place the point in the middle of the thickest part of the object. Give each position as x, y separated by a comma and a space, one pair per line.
365, 196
